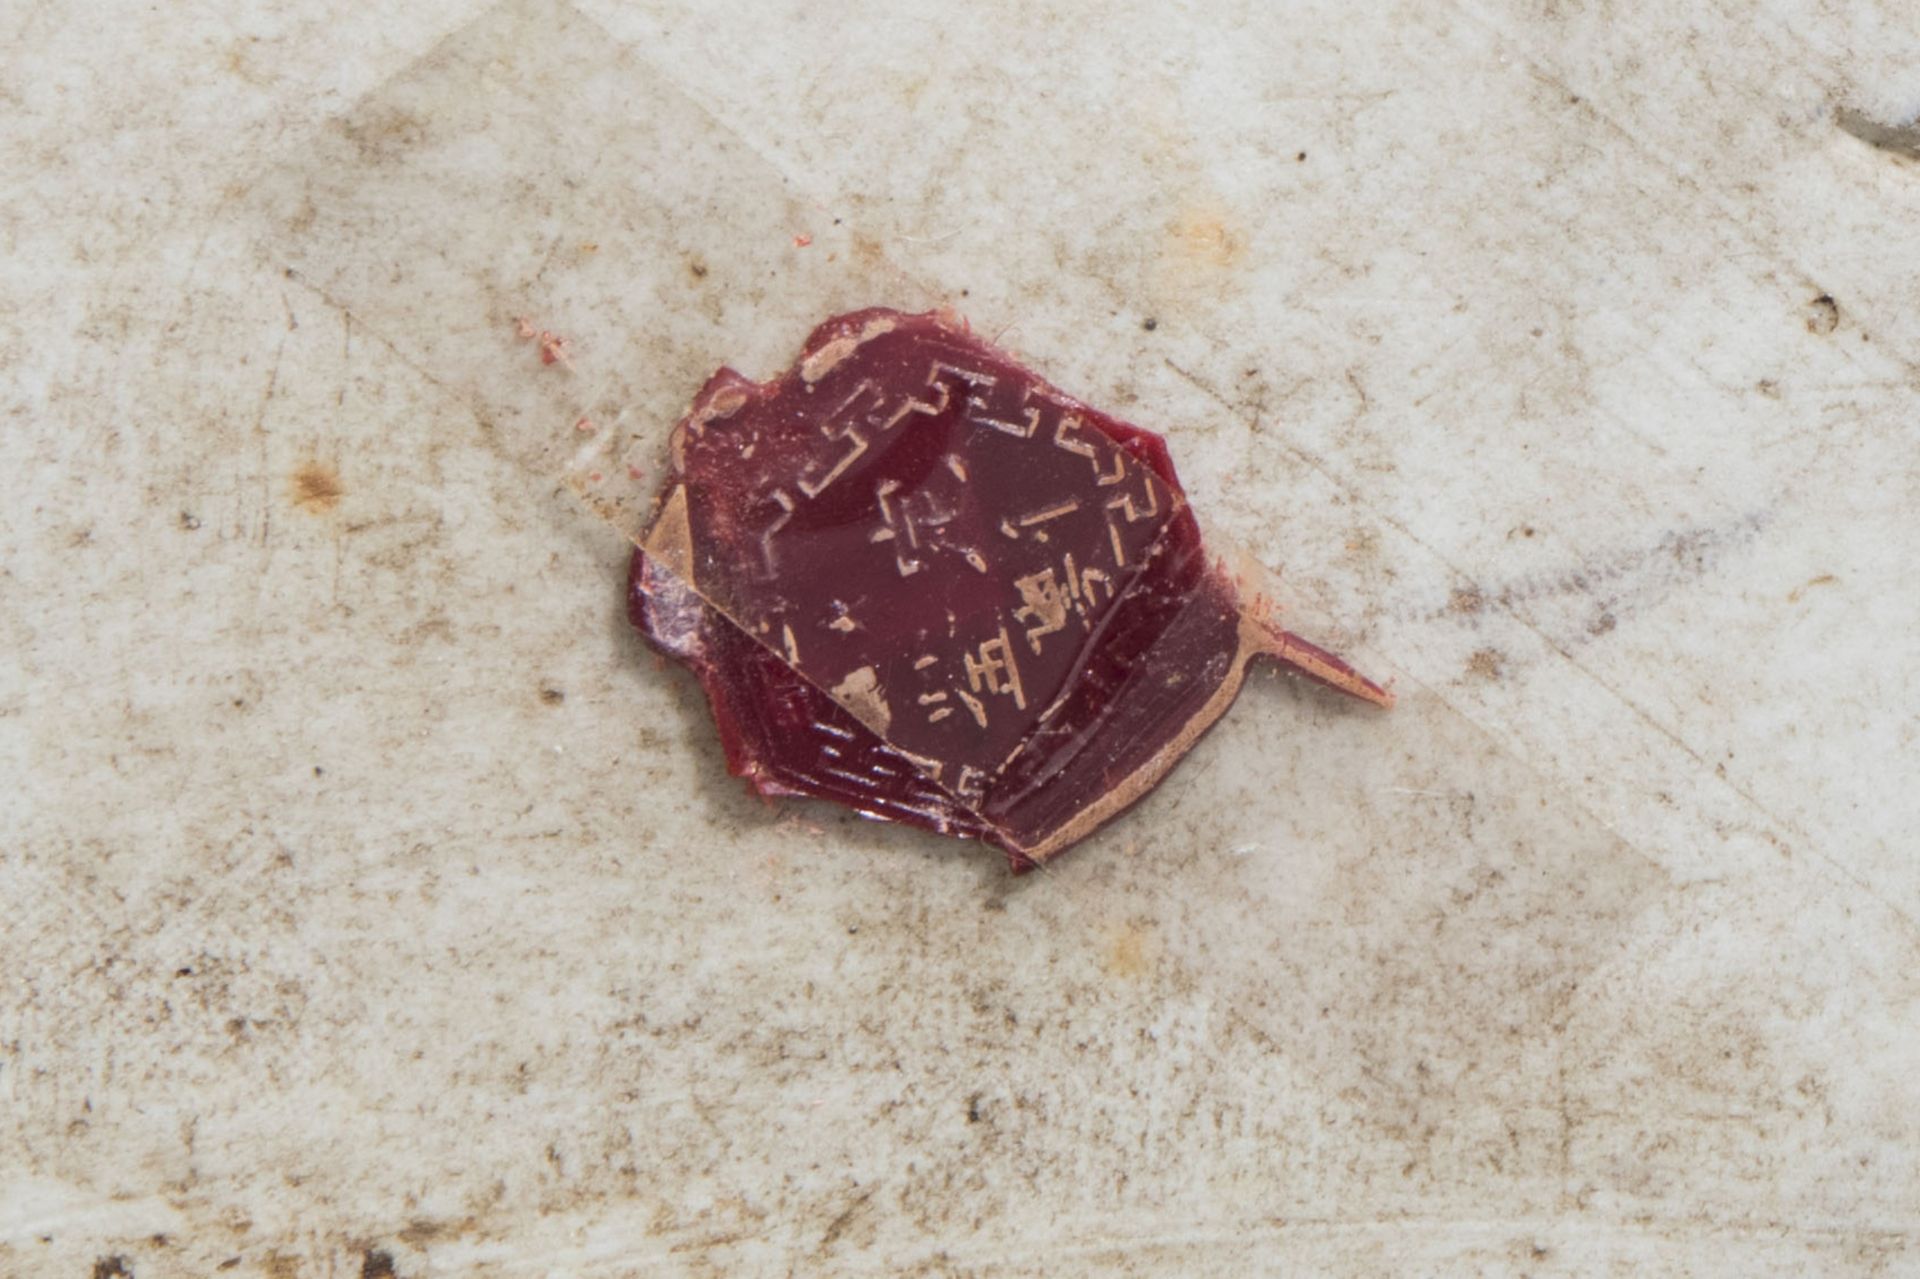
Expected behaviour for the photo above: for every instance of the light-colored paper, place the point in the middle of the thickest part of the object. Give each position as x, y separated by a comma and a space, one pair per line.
377, 904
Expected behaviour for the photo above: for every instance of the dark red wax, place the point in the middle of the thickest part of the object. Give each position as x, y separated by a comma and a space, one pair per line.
916, 579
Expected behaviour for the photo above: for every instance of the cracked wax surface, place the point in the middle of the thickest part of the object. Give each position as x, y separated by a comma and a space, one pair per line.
377, 906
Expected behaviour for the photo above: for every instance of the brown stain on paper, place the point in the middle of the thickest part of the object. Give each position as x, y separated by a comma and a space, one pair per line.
1204, 236
1200, 257
1131, 951
317, 488
1487, 664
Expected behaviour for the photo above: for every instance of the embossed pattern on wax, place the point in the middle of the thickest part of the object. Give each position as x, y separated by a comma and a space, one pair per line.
916, 579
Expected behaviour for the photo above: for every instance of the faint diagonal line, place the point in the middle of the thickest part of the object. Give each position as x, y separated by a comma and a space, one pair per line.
1360, 499
1739, 221
1084, 1241
796, 181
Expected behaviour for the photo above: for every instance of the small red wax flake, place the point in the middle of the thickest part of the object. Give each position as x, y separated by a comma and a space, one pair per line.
553, 347
802, 240
916, 579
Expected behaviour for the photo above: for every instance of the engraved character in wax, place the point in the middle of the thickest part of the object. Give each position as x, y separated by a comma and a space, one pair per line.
930, 507
1094, 517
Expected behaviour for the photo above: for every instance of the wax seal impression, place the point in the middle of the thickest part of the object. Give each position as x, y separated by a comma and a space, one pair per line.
916, 579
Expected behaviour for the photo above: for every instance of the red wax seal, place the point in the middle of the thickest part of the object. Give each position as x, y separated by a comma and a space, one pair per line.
916, 579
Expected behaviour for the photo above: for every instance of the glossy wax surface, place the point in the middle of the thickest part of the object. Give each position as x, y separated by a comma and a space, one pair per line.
916, 578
